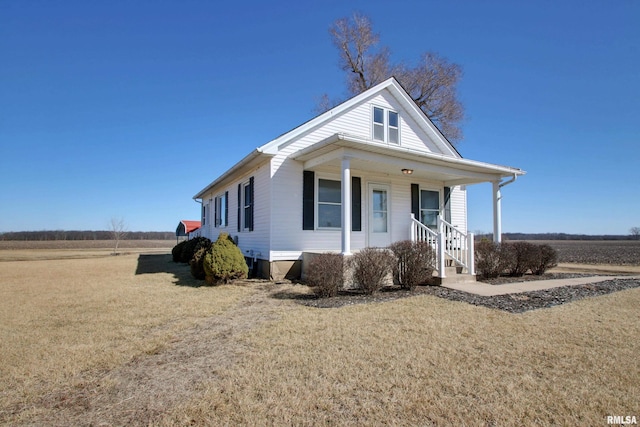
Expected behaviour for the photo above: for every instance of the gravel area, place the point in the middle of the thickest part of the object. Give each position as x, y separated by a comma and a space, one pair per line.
513, 303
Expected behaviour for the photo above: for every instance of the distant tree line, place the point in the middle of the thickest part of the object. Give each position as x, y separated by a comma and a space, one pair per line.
556, 236
85, 235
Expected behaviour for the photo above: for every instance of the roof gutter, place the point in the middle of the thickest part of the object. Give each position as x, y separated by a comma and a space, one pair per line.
250, 159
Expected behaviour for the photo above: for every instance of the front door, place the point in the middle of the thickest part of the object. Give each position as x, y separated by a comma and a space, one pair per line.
379, 216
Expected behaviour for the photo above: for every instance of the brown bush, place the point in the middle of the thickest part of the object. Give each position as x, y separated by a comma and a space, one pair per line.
542, 258
518, 257
414, 263
326, 274
491, 259
371, 266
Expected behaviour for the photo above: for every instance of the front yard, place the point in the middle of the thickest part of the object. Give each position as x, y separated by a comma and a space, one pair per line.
133, 340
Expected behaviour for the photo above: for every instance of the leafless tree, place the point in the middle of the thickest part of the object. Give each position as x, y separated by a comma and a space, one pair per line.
635, 232
431, 83
118, 229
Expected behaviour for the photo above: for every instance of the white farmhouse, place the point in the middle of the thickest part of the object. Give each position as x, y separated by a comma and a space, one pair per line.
371, 171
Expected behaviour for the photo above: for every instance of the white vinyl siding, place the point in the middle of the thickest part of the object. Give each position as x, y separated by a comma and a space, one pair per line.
255, 242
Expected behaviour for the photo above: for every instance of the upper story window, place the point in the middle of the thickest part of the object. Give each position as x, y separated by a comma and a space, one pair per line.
386, 125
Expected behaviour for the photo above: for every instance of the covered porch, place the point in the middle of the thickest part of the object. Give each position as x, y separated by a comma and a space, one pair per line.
399, 213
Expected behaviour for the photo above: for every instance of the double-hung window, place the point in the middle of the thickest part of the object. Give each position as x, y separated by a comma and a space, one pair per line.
429, 208
329, 203
246, 206
222, 210
386, 125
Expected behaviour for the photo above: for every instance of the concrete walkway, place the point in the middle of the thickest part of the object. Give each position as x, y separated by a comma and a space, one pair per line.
487, 290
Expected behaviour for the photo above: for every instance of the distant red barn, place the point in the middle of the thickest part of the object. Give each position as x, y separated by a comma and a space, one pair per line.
188, 229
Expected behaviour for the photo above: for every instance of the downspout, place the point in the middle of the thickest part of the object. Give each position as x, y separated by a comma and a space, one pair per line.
512, 180
201, 201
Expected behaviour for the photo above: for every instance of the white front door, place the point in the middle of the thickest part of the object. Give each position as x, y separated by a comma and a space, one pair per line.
379, 232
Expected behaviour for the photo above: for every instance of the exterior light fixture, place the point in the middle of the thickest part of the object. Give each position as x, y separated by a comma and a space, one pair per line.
407, 171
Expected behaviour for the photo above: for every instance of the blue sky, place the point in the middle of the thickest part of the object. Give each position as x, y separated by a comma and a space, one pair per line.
129, 108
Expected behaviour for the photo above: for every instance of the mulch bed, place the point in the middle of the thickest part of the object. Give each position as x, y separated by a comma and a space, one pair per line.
512, 303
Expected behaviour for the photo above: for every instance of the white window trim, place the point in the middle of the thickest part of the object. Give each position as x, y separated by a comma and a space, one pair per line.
440, 192
218, 221
385, 125
317, 200
204, 212
243, 211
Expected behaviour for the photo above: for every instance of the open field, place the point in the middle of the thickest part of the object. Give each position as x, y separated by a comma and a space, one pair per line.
132, 340
75, 249
614, 252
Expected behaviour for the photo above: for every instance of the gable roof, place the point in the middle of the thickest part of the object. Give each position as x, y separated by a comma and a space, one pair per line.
189, 226
396, 89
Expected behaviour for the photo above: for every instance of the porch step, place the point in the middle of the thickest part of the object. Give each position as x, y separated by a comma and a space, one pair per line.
455, 275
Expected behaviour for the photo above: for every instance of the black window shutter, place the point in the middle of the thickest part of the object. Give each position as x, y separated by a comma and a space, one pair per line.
415, 200
226, 208
308, 200
356, 204
239, 206
251, 201
447, 204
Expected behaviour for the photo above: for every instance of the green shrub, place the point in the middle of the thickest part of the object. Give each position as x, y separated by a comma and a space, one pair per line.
414, 263
542, 258
176, 252
491, 259
192, 246
371, 266
197, 263
326, 274
224, 262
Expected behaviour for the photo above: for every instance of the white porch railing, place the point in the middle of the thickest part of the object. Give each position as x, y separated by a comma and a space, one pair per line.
448, 241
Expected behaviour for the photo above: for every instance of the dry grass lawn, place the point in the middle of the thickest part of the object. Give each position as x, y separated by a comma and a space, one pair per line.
89, 341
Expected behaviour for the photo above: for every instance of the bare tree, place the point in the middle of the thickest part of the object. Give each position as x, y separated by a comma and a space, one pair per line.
635, 232
431, 83
118, 229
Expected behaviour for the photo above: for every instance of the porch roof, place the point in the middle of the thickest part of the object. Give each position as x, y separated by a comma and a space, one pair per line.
366, 154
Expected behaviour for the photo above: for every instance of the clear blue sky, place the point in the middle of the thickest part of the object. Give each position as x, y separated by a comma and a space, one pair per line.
128, 108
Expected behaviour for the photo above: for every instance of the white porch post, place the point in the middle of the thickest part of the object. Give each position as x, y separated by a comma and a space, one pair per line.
497, 215
441, 250
346, 206
471, 259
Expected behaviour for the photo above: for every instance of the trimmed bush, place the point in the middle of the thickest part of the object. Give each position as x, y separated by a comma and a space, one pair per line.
371, 266
176, 252
197, 263
224, 262
326, 274
192, 246
543, 258
414, 263
491, 259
